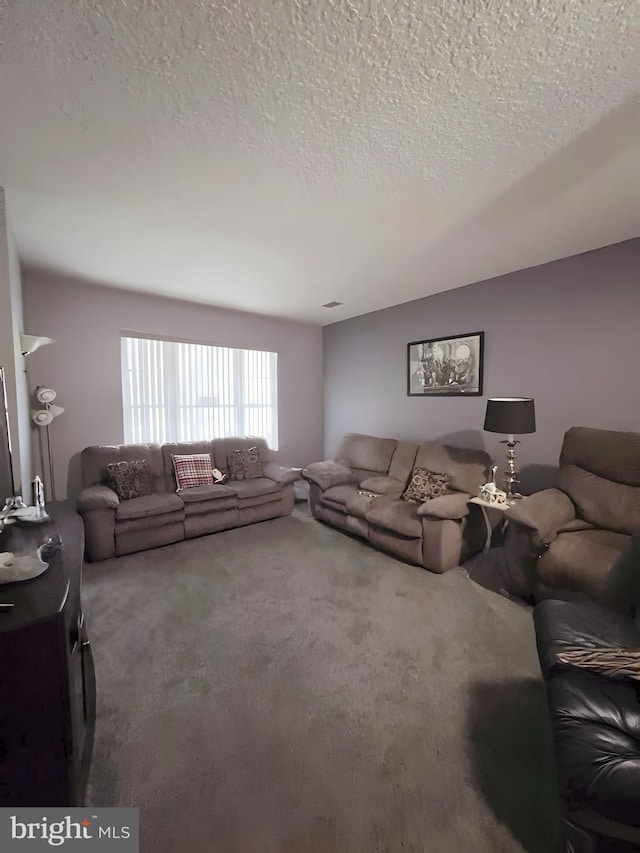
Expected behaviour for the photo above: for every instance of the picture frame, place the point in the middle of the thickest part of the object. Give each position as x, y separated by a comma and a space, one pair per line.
446, 367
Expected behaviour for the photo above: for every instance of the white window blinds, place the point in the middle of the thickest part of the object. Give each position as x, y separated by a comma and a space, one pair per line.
174, 391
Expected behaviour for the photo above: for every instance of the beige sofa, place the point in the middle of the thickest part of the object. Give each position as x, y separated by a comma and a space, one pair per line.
114, 527
437, 534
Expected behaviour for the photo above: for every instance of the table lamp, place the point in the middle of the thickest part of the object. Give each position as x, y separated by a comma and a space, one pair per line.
510, 416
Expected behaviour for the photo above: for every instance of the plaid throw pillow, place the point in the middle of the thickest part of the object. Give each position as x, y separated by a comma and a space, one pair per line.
193, 470
244, 464
425, 485
130, 479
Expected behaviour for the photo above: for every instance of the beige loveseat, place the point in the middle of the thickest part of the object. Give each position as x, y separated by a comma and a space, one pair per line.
360, 491
114, 527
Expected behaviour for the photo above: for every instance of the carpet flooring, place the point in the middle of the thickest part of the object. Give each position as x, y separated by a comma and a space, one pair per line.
283, 687
490, 569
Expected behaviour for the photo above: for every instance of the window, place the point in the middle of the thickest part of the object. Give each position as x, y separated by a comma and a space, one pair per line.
173, 391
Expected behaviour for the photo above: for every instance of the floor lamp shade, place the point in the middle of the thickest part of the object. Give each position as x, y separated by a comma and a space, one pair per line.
45, 395
41, 417
510, 415
30, 343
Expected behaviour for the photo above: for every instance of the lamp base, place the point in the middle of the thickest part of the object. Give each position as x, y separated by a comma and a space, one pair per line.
511, 480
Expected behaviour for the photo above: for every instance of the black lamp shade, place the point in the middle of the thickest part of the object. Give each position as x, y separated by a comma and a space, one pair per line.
510, 415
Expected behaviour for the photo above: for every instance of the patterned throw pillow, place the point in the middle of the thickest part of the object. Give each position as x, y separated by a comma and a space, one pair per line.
425, 485
130, 479
193, 469
244, 464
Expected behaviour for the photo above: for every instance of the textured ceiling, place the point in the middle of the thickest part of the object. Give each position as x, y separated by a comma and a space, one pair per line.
276, 155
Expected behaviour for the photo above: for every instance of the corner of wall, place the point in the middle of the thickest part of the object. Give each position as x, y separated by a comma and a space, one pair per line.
11, 326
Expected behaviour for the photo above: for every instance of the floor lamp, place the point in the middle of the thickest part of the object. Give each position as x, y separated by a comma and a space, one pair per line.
44, 418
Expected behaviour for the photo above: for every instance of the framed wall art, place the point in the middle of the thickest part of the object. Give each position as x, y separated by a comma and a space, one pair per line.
446, 367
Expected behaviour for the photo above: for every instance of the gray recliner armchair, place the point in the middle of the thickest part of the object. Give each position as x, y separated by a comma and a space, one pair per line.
571, 541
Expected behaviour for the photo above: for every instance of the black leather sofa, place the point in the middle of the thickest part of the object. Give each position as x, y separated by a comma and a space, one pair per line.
596, 727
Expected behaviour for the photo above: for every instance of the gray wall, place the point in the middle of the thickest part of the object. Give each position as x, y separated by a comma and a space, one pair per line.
83, 366
566, 333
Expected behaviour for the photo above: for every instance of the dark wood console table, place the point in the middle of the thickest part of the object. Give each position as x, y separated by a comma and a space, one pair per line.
47, 680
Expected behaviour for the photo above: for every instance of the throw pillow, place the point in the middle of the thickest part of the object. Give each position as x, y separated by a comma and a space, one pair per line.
192, 470
244, 464
610, 662
425, 485
130, 479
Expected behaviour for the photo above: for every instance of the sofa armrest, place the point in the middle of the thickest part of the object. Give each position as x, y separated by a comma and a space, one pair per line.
454, 506
279, 473
97, 505
97, 497
329, 473
383, 485
543, 514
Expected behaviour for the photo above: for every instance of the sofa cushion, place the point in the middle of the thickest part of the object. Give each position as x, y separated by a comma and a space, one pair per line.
149, 505
366, 452
255, 486
337, 496
207, 493
328, 474
581, 560
561, 625
94, 461
150, 522
613, 506
611, 454
210, 507
399, 516
192, 469
382, 485
361, 474
467, 469
223, 446
130, 479
259, 500
244, 464
359, 503
424, 485
402, 461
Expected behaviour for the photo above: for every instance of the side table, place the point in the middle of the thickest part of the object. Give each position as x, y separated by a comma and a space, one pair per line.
485, 506
489, 568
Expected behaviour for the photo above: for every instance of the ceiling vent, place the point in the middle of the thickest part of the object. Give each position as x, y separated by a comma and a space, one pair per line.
331, 304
